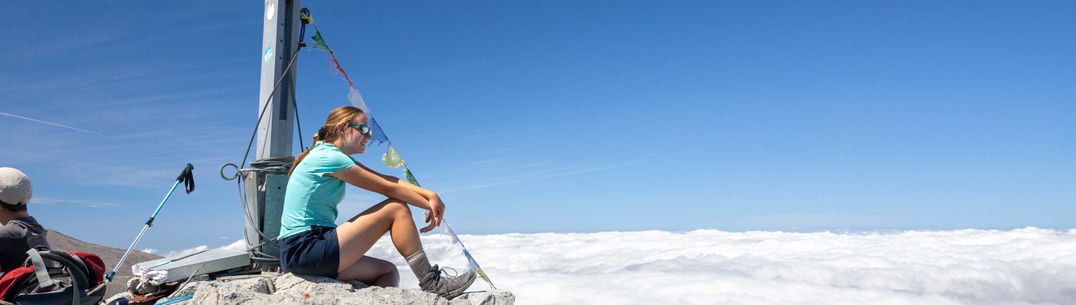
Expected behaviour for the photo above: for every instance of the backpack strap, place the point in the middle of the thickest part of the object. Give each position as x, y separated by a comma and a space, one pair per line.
76, 291
79, 263
75, 268
40, 270
39, 262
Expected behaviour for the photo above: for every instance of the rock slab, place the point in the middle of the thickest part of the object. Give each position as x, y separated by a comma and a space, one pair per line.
291, 289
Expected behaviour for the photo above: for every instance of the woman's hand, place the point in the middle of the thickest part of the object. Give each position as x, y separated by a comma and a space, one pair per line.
434, 215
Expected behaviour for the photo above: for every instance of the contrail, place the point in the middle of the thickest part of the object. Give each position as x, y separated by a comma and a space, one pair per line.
50, 123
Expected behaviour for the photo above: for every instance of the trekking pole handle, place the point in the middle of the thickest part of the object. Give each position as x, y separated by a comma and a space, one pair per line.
187, 177
186, 172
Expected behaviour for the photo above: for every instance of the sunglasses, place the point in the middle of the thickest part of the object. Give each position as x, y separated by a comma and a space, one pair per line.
362, 128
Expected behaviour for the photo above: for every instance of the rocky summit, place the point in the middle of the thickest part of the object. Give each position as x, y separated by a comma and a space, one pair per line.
301, 289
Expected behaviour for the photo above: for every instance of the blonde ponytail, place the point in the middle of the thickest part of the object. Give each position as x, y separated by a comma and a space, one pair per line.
338, 118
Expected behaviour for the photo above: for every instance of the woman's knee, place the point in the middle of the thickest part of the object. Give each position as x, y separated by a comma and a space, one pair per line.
385, 210
371, 271
392, 279
397, 207
390, 275
391, 270
384, 267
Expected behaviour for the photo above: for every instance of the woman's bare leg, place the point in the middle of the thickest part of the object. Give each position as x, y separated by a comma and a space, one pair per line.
372, 271
361, 232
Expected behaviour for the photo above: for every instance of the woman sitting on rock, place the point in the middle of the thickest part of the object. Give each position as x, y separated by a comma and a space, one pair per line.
312, 244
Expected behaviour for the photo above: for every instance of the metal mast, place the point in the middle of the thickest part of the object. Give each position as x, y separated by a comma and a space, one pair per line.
265, 180
265, 183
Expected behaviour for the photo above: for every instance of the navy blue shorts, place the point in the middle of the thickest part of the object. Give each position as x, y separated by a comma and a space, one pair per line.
314, 252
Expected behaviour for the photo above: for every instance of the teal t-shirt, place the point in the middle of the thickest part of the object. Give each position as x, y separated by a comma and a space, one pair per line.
312, 196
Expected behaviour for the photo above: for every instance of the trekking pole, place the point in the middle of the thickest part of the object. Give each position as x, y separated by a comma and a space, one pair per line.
187, 178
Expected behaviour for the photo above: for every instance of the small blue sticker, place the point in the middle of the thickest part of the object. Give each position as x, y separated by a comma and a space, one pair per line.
268, 55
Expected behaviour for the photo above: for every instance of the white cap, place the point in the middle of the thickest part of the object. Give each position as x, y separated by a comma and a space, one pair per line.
14, 187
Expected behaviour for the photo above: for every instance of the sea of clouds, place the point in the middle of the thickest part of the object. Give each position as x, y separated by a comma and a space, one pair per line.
1024, 266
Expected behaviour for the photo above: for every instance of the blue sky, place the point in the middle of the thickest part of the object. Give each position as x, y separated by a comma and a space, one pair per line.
566, 116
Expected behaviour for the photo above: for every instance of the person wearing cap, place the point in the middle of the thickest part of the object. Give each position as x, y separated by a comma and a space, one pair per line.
19, 232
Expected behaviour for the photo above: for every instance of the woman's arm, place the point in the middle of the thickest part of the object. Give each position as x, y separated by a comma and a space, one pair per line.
433, 216
428, 194
392, 187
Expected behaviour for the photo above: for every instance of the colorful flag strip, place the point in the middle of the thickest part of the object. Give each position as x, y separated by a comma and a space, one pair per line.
470, 260
391, 158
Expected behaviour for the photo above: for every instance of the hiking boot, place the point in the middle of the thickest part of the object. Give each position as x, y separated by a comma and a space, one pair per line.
439, 282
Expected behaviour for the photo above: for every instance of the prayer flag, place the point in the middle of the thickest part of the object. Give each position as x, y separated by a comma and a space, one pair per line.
319, 41
392, 158
409, 176
470, 260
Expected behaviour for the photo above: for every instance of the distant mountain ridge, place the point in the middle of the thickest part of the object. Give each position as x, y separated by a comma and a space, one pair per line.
109, 255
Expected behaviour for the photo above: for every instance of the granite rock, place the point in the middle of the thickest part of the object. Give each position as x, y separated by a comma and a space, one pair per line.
272, 289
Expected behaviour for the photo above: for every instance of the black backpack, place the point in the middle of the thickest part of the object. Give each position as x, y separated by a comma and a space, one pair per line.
54, 278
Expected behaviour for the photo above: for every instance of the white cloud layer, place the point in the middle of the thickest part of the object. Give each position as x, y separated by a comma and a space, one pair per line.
1025, 266
179, 253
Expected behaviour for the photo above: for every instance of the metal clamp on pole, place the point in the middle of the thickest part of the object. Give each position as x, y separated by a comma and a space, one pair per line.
264, 183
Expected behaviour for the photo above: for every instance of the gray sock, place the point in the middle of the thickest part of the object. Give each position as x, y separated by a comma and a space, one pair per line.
419, 264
